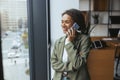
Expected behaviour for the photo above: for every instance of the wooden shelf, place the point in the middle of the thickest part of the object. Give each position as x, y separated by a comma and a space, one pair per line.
100, 5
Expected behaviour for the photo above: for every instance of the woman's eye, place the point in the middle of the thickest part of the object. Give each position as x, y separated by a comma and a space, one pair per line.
67, 22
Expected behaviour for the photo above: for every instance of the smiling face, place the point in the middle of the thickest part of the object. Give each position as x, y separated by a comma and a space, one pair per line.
66, 22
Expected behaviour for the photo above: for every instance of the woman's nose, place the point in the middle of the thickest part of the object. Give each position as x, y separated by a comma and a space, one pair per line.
63, 24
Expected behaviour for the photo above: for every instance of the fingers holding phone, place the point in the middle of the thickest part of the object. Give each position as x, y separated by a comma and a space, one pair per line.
71, 34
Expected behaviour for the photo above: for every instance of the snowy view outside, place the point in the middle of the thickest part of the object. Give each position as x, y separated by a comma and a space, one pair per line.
14, 37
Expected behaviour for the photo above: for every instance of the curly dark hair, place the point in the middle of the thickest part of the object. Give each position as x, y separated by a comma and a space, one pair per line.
77, 17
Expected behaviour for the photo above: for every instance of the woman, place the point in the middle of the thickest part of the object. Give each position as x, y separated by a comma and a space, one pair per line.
70, 51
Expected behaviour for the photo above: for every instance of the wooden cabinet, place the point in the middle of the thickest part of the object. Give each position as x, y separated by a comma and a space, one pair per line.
101, 63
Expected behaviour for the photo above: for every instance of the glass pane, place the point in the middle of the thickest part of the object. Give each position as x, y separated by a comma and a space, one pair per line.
14, 37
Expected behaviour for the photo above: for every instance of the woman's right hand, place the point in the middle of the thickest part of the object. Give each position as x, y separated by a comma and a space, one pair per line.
71, 34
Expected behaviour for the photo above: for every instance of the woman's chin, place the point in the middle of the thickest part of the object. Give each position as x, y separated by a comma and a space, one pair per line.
64, 32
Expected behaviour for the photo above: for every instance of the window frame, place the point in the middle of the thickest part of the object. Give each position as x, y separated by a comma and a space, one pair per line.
38, 16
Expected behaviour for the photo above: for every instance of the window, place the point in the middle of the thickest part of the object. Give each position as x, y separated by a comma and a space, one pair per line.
14, 37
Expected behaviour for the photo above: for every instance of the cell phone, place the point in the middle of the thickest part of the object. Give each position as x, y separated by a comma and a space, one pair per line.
76, 26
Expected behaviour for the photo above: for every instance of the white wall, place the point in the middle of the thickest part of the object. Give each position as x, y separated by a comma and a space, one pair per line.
57, 7
99, 30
